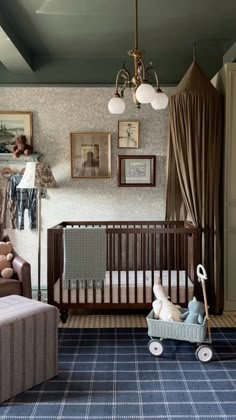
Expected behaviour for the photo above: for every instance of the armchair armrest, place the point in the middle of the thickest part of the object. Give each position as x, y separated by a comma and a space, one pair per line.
23, 271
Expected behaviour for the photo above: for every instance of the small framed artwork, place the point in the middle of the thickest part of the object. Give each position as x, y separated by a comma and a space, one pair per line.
13, 124
90, 155
136, 171
128, 134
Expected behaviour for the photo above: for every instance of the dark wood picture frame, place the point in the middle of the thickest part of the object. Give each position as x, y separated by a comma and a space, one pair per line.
136, 170
128, 134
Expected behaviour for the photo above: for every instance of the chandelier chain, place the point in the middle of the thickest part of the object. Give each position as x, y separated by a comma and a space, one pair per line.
136, 24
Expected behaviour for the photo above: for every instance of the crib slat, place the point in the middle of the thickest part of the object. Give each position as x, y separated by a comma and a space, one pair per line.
61, 263
176, 255
114, 252
177, 267
161, 253
69, 292
144, 267
107, 251
186, 267
127, 268
85, 295
119, 264
110, 265
141, 247
94, 293
169, 264
153, 257
77, 294
155, 252
135, 269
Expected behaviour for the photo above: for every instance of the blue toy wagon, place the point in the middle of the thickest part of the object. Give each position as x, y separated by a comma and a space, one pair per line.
195, 333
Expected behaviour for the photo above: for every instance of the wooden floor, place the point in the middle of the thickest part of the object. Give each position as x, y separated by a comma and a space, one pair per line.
127, 321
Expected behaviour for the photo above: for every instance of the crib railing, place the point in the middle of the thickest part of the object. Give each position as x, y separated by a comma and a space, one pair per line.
134, 250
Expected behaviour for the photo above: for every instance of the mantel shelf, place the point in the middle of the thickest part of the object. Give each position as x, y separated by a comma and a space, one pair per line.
10, 158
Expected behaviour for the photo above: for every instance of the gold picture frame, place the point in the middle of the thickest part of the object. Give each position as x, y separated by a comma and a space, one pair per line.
128, 134
90, 155
13, 124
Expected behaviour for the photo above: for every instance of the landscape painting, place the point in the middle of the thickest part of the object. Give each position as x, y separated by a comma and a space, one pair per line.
13, 124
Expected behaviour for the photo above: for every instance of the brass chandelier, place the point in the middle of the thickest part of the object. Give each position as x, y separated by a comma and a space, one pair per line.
143, 92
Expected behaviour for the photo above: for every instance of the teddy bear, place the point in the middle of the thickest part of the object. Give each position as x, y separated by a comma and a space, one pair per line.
6, 270
21, 146
195, 312
163, 308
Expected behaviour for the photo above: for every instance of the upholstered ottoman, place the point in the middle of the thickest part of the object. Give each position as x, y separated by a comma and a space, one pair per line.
28, 344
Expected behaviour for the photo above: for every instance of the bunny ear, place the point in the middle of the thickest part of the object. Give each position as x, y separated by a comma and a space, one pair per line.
158, 281
194, 299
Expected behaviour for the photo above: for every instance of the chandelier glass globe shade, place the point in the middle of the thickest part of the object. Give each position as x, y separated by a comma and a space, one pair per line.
160, 100
145, 93
116, 105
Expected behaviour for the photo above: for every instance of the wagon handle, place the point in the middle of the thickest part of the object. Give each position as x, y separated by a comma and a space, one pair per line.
202, 276
201, 272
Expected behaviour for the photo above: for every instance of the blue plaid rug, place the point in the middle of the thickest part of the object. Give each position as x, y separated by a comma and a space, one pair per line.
110, 374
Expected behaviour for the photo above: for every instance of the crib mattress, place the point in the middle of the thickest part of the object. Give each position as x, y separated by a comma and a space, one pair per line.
123, 288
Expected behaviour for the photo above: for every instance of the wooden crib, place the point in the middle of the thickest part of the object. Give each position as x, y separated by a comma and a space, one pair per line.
137, 253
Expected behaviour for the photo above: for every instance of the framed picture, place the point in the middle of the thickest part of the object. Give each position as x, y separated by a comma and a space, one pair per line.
128, 134
90, 155
13, 124
136, 171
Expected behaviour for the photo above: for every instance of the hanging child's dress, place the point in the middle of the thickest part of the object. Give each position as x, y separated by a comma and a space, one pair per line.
3, 199
19, 201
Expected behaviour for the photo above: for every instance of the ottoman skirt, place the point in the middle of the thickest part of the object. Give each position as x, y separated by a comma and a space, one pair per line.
28, 344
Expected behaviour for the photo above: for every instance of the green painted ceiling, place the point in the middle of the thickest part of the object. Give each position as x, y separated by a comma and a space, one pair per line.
84, 42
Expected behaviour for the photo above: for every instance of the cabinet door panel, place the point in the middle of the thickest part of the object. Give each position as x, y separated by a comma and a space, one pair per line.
232, 217
232, 140
231, 269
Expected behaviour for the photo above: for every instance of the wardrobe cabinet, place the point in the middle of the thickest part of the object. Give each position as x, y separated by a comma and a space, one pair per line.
225, 82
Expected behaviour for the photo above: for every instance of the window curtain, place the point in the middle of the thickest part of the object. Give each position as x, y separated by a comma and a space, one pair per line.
194, 189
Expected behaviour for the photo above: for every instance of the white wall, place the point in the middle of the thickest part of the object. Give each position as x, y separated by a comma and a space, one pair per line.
56, 113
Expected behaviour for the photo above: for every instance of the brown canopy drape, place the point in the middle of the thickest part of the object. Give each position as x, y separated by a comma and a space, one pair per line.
194, 170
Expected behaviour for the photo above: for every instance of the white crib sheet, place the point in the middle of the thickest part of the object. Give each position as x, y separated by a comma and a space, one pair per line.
123, 274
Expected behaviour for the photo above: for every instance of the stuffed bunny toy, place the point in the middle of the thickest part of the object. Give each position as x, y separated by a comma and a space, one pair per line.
163, 308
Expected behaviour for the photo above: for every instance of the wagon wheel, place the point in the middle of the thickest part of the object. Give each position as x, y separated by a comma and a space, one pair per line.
204, 353
155, 347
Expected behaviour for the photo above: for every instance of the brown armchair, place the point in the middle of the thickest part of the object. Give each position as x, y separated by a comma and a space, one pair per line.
20, 284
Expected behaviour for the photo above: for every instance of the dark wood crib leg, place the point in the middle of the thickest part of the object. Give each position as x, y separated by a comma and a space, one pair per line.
64, 315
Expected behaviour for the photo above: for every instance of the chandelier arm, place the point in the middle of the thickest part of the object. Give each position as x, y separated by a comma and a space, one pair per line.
125, 73
150, 68
142, 66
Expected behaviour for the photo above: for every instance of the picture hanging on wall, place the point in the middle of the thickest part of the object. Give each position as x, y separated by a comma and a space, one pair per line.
136, 171
128, 134
13, 124
90, 155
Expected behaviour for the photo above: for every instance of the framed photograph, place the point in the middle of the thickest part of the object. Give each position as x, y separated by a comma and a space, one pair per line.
90, 155
136, 171
128, 134
13, 124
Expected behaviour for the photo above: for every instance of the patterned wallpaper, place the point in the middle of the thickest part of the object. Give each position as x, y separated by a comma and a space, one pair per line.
56, 113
